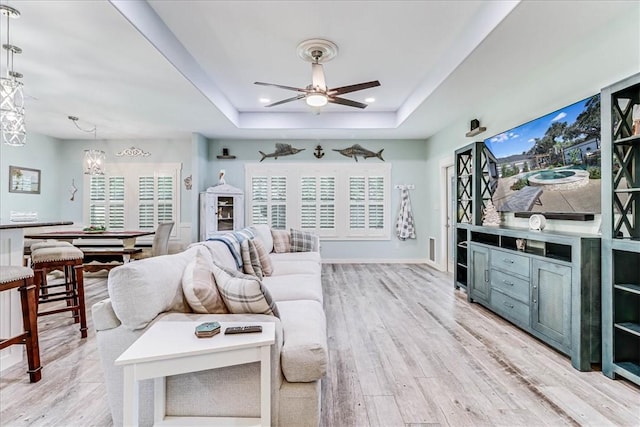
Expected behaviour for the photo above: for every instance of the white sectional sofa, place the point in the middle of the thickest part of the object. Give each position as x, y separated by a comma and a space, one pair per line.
146, 291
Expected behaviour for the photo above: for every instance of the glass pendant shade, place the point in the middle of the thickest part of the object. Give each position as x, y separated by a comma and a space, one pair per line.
94, 161
12, 125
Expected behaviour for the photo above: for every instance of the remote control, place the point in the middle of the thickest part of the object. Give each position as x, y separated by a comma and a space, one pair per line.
243, 329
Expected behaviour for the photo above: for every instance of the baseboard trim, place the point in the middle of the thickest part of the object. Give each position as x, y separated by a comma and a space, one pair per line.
374, 261
435, 265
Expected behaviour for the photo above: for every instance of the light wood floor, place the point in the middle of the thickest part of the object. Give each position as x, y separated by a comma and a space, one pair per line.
405, 350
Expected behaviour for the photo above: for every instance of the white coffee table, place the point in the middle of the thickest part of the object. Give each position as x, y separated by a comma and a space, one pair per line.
171, 348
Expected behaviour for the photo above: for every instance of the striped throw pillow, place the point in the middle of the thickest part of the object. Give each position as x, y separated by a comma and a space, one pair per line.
243, 293
281, 241
302, 241
250, 259
199, 287
263, 256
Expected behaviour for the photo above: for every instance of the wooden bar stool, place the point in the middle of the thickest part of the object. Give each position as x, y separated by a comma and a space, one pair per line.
70, 260
49, 243
22, 278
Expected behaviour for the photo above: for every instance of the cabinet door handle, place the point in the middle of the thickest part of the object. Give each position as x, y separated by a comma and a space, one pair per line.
486, 275
510, 261
508, 305
506, 282
535, 301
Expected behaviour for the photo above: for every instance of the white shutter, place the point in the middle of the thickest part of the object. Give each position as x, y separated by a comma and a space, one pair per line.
328, 202
376, 202
97, 200
146, 196
116, 203
165, 199
279, 202
308, 204
357, 193
258, 199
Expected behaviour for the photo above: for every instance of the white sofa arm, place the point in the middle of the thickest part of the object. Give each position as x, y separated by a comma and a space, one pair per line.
103, 316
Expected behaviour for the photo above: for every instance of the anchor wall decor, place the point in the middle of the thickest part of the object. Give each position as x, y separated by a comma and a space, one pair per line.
319, 153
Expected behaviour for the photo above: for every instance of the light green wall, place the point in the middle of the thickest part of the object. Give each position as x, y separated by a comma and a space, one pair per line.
41, 152
407, 158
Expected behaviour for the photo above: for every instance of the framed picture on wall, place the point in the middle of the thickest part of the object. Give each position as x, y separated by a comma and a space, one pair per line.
24, 180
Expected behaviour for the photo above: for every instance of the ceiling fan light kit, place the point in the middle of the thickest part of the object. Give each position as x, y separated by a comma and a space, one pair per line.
317, 94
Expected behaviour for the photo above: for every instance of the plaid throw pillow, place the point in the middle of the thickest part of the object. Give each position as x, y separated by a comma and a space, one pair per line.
302, 241
250, 259
243, 293
281, 241
263, 256
199, 287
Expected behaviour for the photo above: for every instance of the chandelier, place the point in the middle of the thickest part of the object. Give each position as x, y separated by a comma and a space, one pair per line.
12, 126
94, 160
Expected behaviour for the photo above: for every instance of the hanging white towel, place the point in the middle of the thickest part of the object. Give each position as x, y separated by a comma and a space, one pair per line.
405, 227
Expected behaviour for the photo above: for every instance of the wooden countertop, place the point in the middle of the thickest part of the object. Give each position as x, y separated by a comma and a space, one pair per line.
6, 225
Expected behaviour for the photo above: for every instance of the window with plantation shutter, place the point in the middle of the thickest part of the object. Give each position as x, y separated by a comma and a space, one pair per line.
133, 196
335, 201
268, 199
107, 201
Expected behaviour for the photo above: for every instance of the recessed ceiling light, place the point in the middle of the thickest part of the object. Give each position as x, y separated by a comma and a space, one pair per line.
370, 100
264, 100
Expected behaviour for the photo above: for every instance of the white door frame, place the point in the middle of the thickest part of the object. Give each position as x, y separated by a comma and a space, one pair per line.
444, 203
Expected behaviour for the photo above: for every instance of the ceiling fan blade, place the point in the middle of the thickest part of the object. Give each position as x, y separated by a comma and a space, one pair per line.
297, 89
317, 77
347, 102
352, 88
294, 98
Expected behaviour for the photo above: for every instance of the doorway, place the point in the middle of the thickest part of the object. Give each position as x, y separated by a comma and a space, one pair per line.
450, 223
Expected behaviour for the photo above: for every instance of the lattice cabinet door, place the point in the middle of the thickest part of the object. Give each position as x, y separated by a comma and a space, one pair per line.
464, 185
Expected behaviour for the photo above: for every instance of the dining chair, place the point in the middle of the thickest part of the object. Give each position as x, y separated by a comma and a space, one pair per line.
160, 245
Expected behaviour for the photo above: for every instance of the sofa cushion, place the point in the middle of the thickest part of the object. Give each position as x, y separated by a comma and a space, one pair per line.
304, 351
263, 233
296, 256
302, 241
294, 287
263, 256
250, 259
141, 290
281, 241
199, 286
296, 267
243, 293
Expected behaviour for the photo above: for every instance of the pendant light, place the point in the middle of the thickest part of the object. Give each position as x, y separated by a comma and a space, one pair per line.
94, 159
12, 125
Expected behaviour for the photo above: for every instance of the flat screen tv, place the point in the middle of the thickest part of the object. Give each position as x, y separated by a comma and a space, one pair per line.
550, 164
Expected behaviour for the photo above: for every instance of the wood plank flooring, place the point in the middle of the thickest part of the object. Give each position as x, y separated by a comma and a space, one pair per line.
405, 349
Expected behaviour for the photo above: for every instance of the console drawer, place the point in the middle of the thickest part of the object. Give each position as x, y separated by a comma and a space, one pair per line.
510, 308
511, 262
511, 285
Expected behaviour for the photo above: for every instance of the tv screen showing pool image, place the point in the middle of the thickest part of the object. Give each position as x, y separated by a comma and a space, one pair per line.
550, 164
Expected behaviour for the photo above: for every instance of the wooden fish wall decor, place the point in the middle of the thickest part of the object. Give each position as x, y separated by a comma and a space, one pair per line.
281, 151
358, 150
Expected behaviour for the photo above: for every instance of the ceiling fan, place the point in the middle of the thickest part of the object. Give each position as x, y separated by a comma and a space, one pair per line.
317, 94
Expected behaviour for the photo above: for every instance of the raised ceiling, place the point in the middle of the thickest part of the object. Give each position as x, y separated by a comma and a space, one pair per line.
165, 69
